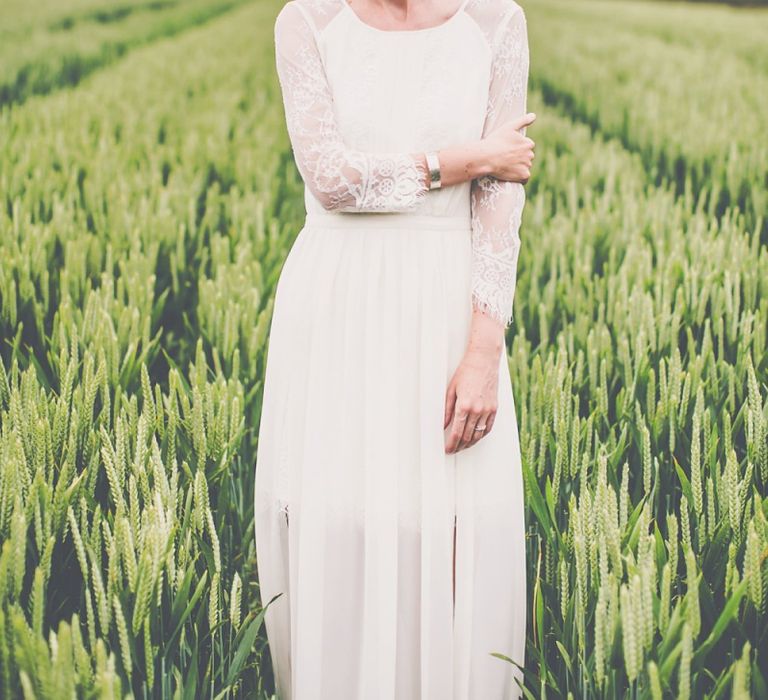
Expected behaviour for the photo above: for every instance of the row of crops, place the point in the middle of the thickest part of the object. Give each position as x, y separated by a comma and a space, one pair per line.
641, 384
690, 100
642, 368
145, 216
47, 44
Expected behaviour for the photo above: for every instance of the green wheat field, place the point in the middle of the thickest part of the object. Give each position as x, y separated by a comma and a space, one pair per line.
148, 198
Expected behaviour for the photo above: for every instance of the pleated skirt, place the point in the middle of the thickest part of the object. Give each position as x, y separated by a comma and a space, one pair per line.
359, 512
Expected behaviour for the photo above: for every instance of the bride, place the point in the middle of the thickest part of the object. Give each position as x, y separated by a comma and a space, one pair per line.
389, 511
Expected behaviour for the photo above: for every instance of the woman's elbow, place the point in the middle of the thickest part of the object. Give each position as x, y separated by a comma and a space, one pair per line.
335, 185
333, 201
330, 204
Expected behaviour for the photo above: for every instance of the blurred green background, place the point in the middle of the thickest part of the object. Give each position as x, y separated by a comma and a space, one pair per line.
148, 199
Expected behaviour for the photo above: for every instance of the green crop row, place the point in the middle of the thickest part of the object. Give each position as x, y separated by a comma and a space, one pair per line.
49, 48
639, 366
717, 28
142, 229
694, 109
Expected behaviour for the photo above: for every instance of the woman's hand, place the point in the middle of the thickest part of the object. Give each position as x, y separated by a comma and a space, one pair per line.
509, 153
471, 400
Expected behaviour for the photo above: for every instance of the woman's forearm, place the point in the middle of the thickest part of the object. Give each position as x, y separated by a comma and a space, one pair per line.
461, 163
504, 154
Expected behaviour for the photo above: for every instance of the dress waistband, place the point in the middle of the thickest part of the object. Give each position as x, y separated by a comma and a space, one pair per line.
387, 220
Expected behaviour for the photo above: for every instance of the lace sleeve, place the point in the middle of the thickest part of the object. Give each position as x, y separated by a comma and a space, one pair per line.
497, 205
340, 178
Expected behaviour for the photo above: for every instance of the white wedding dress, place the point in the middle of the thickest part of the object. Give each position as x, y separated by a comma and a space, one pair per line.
357, 507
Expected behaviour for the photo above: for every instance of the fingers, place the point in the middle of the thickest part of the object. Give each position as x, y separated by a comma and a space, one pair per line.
450, 405
469, 429
489, 424
525, 120
486, 421
524, 158
465, 430
526, 170
457, 430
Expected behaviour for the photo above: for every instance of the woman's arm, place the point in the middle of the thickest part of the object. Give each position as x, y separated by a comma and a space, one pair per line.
346, 179
497, 208
503, 154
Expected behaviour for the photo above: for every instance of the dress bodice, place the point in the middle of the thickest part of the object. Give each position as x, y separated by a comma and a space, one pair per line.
360, 102
411, 91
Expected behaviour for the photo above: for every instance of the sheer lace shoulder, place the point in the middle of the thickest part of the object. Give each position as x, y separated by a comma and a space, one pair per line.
340, 178
318, 12
496, 205
490, 15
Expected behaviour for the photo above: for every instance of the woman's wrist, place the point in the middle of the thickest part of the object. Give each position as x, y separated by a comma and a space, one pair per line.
480, 159
463, 163
484, 163
486, 335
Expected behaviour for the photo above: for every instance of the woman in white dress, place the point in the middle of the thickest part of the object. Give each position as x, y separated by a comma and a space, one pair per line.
389, 495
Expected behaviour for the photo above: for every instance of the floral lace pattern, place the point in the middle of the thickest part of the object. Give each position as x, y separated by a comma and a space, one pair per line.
344, 178
497, 206
340, 178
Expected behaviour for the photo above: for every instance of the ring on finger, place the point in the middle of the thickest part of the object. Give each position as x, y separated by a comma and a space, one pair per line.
469, 434
481, 429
